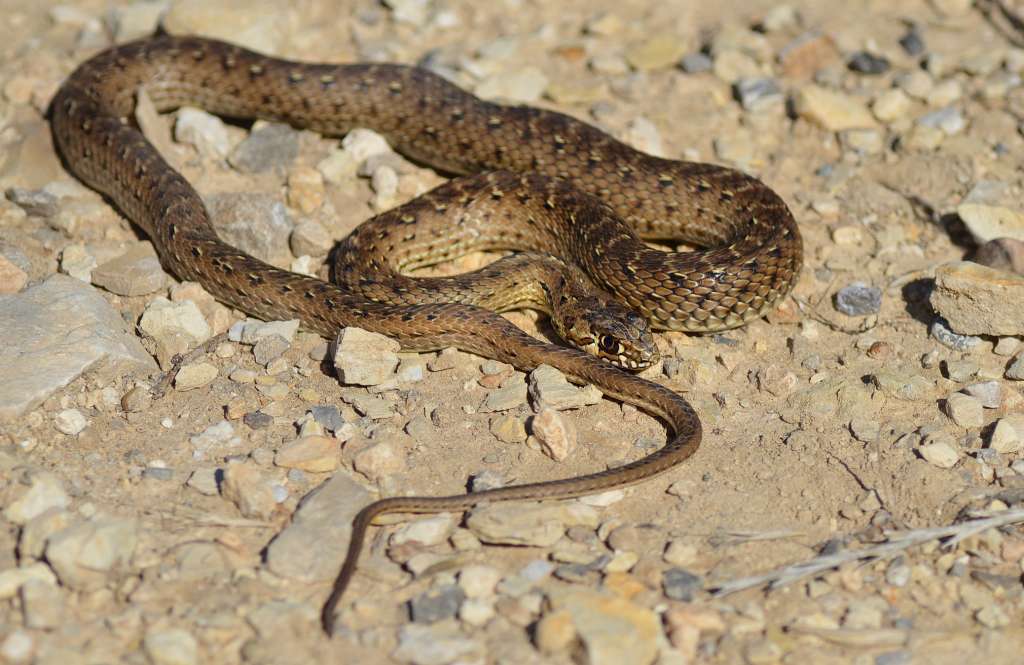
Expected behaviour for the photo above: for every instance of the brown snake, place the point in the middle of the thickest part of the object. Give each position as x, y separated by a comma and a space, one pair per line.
550, 166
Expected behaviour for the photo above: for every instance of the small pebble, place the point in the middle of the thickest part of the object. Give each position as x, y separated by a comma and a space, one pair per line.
864, 62
912, 42
680, 584
70, 422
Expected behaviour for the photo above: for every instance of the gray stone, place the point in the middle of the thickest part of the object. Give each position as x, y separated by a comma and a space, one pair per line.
269, 348
84, 554
54, 332
273, 146
328, 416
757, 94
137, 272
311, 548
550, 388
680, 584
695, 63
436, 644
204, 481
509, 396
989, 393
436, 604
35, 202
859, 299
1015, 371
254, 222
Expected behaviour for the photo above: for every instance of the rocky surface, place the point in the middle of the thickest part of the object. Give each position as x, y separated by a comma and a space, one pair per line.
206, 524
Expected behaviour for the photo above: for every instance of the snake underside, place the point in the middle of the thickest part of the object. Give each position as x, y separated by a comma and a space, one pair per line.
548, 183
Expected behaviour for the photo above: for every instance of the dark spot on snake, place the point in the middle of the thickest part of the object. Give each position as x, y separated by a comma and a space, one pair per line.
431, 317
197, 252
268, 99
407, 317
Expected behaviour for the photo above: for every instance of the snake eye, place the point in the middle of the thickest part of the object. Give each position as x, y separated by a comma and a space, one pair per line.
608, 344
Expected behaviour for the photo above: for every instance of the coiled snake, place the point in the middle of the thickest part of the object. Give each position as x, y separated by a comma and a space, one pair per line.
548, 183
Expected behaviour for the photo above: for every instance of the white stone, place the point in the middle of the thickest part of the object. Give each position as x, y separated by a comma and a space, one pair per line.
428, 531
70, 422
940, 454
365, 358
42, 491
171, 646
163, 319
203, 130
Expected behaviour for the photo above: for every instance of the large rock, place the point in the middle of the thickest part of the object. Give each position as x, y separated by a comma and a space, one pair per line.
53, 333
976, 300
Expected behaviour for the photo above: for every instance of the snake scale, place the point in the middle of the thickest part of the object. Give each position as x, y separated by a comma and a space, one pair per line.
552, 182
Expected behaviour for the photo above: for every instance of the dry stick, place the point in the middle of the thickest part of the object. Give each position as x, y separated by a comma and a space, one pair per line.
898, 541
179, 361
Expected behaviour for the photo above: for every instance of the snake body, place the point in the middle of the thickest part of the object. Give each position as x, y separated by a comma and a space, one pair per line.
559, 183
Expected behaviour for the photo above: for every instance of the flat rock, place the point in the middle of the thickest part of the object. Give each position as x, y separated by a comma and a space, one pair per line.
976, 300
316, 454
312, 547
256, 24
84, 554
365, 358
988, 222
535, 525
834, 111
254, 222
55, 332
611, 629
550, 388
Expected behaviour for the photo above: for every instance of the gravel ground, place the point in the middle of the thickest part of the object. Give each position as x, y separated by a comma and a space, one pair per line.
883, 399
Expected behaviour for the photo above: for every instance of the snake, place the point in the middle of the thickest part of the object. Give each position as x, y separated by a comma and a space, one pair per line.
532, 179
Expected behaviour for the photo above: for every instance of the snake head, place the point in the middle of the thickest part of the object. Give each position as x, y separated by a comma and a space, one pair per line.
612, 332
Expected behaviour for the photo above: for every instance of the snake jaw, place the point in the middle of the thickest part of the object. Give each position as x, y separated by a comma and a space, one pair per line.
611, 332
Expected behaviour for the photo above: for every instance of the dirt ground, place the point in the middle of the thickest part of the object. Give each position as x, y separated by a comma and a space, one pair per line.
816, 422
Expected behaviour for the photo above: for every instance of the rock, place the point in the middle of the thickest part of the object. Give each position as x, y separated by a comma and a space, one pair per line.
965, 410
554, 632
414, 12
195, 375
834, 111
479, 581
864, 62
532, 525
176, 326
204, 481
435, 644
891, 105
12, 278
18, 646
35, 202
365, 358
550, 388
427, 531
758, 94
77, 262
220, 434
989, 393
525, 85
379, 460
311, 548
42, 604
55, 331
70, 422
136, 20
508, 429
511, 395
940, 453
656, 51
695, 63
269, 348
306, 189
611, 629
976, 300
203, 130
251, 331
316, 454
260, 25
680, 584
1007, 435
12, 579
1002, 254
309, 237
436, 604
84, 554
989, 222
732, 65
912, 42
328, 416
245, 486
859, 299
35, 493
170, 646
556, 434
1015, 371
254, 222
948, 119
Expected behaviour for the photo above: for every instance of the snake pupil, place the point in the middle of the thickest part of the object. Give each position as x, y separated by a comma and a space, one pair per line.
608, 344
